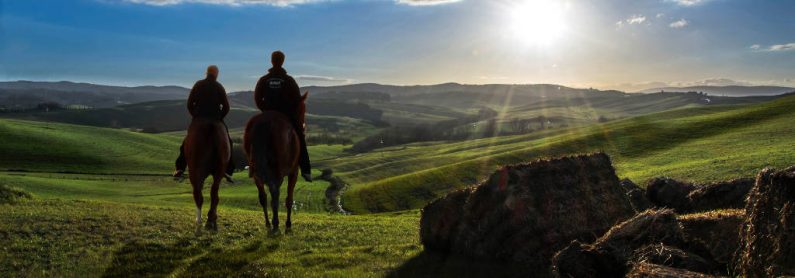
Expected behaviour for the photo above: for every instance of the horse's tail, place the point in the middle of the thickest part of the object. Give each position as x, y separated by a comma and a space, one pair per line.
260, 151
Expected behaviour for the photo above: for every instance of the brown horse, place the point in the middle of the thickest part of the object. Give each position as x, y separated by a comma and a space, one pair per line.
273, 150
207, 152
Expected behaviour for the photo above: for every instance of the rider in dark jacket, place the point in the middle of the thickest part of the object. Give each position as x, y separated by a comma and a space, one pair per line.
207, 100
279, 91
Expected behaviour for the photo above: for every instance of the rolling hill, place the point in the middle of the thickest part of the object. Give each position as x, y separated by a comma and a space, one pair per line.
731, 91
699, 144
27, 94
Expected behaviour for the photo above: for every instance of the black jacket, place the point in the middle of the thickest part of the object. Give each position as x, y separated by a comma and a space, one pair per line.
208, 99
278, 91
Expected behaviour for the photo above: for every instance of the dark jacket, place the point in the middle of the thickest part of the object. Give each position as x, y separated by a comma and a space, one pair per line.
278, 91
208, 99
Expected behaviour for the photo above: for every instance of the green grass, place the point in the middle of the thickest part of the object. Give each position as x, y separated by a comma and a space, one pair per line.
89, 239
120, 215
696, 144
57, 147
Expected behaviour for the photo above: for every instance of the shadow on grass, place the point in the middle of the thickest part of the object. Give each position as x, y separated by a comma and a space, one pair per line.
223, 263
149, 259
432, 264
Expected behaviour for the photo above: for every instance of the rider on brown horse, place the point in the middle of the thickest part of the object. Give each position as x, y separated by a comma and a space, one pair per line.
279, 91
207, 100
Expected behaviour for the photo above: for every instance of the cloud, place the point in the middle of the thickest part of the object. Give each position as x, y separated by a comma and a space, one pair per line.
636, 19
717, 82
774, 48
321, 79
782, 47
688, 3
660, 15
679, 24
425, 2
278, 3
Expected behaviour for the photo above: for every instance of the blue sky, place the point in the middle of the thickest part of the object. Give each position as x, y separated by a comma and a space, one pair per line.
621, 44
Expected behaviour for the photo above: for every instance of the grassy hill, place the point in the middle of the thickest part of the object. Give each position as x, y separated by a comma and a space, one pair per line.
128, 223
56, 147
698, 144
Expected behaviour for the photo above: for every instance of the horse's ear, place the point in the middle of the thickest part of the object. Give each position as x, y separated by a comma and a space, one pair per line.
306, 94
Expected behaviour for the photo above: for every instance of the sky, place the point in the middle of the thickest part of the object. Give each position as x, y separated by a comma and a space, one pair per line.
612, 44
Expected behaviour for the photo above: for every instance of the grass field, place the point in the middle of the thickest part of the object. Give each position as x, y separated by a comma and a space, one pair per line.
697, 144
103, 204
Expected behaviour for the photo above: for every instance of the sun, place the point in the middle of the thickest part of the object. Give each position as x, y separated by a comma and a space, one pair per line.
538, 22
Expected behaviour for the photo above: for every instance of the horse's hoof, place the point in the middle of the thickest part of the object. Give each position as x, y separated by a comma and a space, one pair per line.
288, 224
211, 225
274, 232
288, 230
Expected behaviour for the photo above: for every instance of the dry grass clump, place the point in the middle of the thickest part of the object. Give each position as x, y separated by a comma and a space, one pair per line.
612, 254
717, 232
767, 236
666, 192
648, 270
720, 195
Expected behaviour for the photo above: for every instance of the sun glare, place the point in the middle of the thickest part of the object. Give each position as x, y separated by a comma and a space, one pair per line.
538, 22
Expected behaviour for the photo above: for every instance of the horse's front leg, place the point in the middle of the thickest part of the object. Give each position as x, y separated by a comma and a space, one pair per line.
263, 200
212, 215
274, 189
197, 197
288, 202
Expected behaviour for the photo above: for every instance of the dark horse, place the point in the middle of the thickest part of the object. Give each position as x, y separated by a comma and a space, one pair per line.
273, 150
207, 152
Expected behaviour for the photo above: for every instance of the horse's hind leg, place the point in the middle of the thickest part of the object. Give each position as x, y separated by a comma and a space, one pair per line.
263, 200
212, 215
274, 189
288, 202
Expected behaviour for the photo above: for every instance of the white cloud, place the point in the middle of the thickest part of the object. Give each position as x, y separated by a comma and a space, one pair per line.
660, 15
679, 23
321, 79
774, 48
636, 19
716, 82
688, 3
782, 47
278, 3
425, 2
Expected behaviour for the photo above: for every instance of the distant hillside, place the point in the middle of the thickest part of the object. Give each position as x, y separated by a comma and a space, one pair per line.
27, 94
700, 144
729, 91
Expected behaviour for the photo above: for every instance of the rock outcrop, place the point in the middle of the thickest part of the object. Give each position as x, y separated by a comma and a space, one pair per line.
525, 213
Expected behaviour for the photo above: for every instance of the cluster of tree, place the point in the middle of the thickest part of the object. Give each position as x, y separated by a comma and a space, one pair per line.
454, 129
354, 96
345, 109
327, 139
521, 126
42, 106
